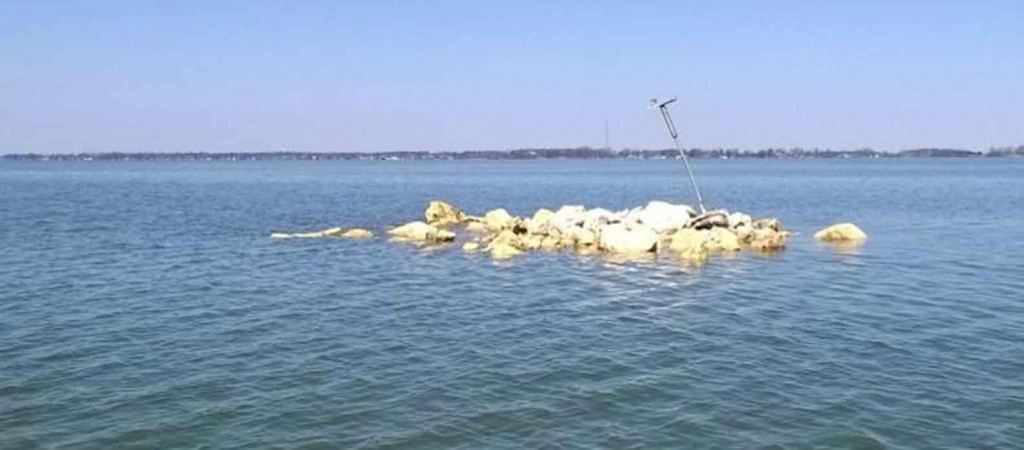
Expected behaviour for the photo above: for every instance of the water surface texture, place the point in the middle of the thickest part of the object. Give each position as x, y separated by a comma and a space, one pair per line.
143, 305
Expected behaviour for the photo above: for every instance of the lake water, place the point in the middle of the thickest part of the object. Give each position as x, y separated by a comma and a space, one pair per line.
143, 305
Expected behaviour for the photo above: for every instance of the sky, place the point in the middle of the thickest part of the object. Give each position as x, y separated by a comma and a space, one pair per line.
340, 76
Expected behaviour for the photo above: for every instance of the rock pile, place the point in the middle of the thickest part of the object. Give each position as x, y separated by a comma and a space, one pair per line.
657, 226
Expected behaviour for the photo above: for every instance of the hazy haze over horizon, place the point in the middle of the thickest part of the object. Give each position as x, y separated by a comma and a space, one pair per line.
383, 76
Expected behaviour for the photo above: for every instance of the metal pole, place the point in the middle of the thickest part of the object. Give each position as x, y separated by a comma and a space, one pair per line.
663, 107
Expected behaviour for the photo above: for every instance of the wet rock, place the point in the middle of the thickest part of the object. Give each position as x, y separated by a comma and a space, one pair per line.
532, 241
506, 237
470, 247
767, 240
620, 238
550, 243
420, 231
330, 232
476, 226
687, 240
586, 238
502, 251
722, 240
441, 214
357, 233
843, 232
698, 255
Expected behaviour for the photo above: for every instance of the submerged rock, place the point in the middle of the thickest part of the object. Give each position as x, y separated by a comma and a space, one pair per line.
419, 231
330, 232
843, 232
502, 251
441, 214
357, 233
476, 225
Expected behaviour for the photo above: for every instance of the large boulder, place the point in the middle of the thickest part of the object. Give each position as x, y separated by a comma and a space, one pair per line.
767, 239
620, 238
843, 232
420, 231
498, 219
507, 237
540, 222
663, 217
687, 240
441, 214
722, 240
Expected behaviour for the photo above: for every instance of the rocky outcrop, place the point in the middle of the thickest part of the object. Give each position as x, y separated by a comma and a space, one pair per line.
441, 214
843, 232
649, 229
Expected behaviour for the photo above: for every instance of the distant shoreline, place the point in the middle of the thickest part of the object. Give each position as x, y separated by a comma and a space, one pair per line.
520, 154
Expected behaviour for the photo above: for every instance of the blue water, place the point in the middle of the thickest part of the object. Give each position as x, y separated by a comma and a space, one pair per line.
143, 305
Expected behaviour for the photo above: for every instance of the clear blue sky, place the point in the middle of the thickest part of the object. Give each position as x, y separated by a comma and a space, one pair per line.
381, 75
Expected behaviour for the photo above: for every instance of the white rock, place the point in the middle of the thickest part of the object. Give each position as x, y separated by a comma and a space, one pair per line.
620, 238
843, 232
568, 217
663, 217
420, 231
497, 219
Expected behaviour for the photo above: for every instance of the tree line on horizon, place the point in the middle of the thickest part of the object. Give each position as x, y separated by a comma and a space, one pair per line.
523, 154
